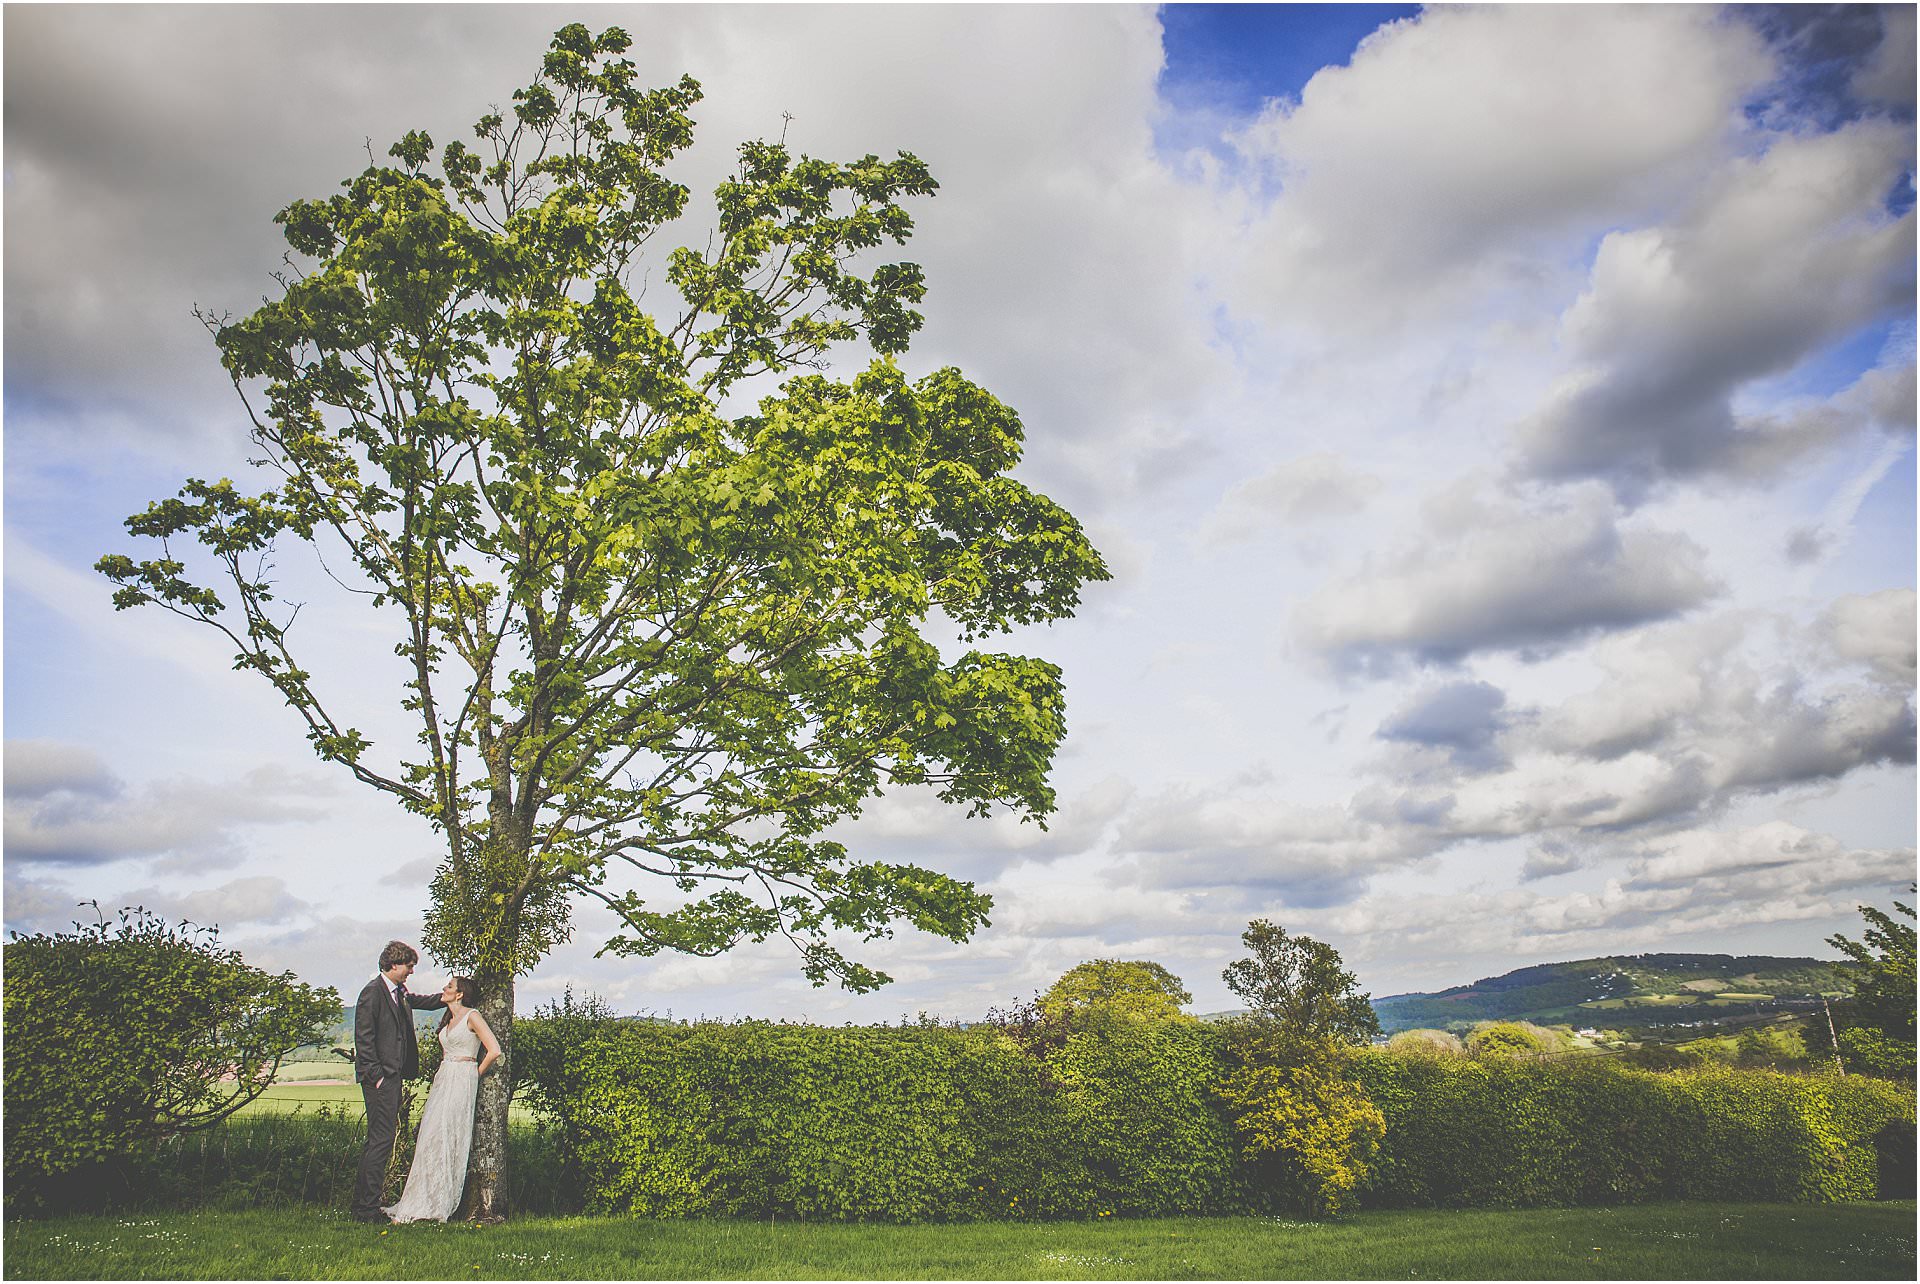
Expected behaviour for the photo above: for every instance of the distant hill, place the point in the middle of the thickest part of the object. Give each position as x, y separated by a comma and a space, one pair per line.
1625, 991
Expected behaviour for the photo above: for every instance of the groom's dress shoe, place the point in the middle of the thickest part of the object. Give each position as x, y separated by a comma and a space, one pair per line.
373, 1218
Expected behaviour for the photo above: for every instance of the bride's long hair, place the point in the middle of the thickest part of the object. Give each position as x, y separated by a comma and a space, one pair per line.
469, 995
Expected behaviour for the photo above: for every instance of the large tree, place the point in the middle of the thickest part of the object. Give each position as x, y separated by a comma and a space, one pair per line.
655, 646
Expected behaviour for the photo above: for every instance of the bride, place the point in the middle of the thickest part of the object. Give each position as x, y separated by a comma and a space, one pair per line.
439, 1172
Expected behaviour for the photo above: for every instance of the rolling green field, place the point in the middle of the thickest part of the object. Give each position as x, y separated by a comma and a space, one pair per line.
285, 1098
1666, 1241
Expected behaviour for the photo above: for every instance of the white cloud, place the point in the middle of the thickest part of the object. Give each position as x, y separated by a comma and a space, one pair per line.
1682, 721
1241, 843
1253, 485
1785, 253
36, 768
36, 906
1693, 890
913, 824
1875, 629
72, 811
239, 902
1496, 574
1760, 852
1455, 146
1306, 489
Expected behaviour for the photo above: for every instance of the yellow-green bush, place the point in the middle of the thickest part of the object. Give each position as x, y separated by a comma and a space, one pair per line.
1306, 1126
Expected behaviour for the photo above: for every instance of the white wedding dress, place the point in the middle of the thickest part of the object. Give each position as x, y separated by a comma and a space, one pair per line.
439, 1173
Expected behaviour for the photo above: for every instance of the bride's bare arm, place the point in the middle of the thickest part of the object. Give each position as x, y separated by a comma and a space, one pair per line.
487, 1041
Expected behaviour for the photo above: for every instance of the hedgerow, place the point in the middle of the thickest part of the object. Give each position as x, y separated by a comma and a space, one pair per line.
1047, 1117
1109, 1115
1465, 1133
914, 1123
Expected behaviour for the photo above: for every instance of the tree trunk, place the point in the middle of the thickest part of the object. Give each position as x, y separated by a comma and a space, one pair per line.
487, 1162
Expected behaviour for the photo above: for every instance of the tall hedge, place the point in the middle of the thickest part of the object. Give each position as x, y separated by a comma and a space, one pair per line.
911, 1123
1119, 1116
1512, 1134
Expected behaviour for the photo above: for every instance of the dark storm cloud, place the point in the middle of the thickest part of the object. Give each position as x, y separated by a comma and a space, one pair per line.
1833, 57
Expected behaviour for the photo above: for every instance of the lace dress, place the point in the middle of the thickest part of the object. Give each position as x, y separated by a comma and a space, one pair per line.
439, 1173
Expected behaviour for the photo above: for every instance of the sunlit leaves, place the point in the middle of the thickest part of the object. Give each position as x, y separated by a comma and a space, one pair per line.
645, 639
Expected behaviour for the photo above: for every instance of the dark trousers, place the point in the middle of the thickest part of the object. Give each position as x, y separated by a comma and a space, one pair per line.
383, 1121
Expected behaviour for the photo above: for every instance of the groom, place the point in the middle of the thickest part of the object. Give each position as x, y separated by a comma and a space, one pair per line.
385, 1051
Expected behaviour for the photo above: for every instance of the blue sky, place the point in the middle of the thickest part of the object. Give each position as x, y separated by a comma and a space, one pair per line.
1501, 432
1237, 56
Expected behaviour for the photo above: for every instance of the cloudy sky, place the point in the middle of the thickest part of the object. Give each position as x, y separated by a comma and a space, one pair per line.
1499, 421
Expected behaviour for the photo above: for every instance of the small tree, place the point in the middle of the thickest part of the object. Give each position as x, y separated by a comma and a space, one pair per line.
1294, 1101
1299, 986
1138, 988
124, 1033
649, 633
1875, 1025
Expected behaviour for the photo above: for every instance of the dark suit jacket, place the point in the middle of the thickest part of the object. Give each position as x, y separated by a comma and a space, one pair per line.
384, 1044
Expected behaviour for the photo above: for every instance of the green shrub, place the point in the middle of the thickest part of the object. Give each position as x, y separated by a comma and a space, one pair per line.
1764, 1135
1425, 1042
1140, 986
1138, 1109
1510, 1039
1509, 1134
1305, 1125
121, 1035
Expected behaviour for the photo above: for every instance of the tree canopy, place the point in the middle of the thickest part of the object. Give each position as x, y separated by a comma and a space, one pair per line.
1300, 986
1876, 1025
1138, 987
667, 594
651, 641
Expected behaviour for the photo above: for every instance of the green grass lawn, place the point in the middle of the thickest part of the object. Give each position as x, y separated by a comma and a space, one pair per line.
1664, 1241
